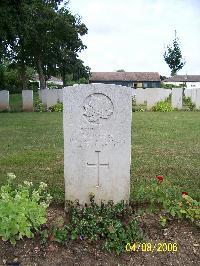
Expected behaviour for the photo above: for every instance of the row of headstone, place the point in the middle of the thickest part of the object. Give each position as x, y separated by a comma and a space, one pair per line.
194, 95
151, 96
50, 97
27, 100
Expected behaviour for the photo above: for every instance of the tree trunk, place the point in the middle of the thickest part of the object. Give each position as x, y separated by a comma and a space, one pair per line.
41, 74
23, 76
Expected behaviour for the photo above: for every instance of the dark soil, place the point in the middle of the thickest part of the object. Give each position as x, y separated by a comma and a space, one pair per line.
29, 251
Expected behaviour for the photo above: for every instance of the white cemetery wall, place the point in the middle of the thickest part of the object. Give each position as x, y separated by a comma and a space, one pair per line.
27, 99
177, 98
4, 100
97, 142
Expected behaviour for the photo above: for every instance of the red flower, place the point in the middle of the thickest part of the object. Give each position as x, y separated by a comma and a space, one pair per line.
160, 178
184, 193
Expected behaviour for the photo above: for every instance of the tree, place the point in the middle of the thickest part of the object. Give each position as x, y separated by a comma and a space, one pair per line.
120, 70
173, 56
41, 34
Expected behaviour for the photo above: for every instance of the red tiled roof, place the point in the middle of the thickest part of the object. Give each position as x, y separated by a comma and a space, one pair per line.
125, 76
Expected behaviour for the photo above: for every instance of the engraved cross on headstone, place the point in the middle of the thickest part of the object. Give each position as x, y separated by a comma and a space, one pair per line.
98, 165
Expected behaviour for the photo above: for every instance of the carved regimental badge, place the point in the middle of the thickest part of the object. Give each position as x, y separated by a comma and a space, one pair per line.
97, 106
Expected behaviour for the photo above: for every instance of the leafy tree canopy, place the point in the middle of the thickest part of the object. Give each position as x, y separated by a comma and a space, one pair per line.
120, 70
40, 34
173, 56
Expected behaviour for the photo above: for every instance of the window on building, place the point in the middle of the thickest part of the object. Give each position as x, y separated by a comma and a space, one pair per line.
153, 84
145, 84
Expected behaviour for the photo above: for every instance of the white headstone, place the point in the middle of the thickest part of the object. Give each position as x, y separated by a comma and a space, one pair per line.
152, 96
43, 96
27, 99
167, 93
60, 95
193, 95
4, 100
140, 96
177, 98
52, 97
188, 93
97, 142
197, 102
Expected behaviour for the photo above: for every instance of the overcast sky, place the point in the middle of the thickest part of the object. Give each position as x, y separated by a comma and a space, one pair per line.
132, 34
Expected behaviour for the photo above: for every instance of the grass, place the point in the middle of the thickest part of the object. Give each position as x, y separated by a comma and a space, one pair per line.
16, 101
31, 146
166, 144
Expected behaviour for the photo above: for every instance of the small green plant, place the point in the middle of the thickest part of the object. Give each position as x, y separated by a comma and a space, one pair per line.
189, 103
107, 222
169, 199
189, 208
162, 106
61, 235
169, 86
141, 110
39, 106
44, 234
58, 107
22, 209
163, 221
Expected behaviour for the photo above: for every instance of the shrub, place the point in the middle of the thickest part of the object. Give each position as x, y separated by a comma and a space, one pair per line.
52, 85
188, 101
22, 210
39, 106
170, 199
107, 222
162, 106
56, 108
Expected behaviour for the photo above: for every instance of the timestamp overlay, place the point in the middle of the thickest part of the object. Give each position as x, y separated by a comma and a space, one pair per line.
152, 247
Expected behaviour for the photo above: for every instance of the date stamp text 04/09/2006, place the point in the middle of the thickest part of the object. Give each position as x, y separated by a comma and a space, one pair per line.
152, 247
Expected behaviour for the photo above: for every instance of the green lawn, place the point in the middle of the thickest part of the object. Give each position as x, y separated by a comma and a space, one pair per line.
31, 146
